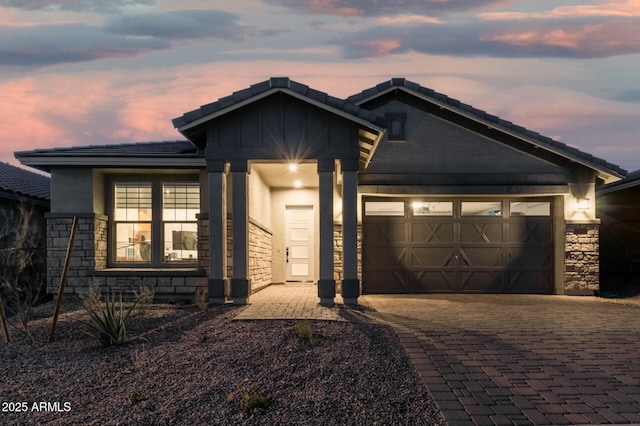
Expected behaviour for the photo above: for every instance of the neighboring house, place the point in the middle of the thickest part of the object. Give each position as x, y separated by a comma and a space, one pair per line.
397, 189
24, 201
619, 210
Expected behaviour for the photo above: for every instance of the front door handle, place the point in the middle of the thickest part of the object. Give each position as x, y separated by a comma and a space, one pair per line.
287, 253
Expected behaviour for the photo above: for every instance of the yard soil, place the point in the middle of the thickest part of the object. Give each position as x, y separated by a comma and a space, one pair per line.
186, 366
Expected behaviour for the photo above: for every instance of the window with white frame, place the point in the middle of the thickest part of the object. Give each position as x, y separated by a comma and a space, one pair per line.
154, 222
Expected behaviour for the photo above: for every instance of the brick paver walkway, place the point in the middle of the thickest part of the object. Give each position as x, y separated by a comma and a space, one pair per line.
504, 359
290, 301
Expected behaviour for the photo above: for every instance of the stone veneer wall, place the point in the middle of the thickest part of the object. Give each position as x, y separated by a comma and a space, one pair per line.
260, 254
582, 272
337, 253
89, 250
203, 242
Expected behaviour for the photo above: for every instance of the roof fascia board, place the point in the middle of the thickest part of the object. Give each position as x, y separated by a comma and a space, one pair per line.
58, 161
24, 198
370, 126
605, 174
618, 187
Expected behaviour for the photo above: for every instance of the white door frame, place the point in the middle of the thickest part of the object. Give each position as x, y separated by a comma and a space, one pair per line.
299, 225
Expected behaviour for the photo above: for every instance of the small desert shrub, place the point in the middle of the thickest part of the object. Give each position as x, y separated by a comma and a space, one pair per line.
144, 299
303, 330
139, 359
107, 320
92, 298
138, 396
247, 399
257, 402
201, 300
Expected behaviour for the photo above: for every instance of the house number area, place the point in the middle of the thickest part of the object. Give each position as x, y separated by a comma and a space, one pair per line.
41, 406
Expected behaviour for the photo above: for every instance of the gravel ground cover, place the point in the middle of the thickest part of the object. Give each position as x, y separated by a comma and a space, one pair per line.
186, 366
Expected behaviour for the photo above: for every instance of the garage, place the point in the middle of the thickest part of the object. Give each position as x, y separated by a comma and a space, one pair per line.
457, 245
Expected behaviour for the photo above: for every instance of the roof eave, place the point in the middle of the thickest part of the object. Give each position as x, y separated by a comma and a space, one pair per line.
46, 163
618, 186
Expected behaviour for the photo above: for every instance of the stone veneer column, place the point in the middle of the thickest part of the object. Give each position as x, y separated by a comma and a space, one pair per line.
582, 270
218, 281
240, 283
89, 250
350, 284
326, 283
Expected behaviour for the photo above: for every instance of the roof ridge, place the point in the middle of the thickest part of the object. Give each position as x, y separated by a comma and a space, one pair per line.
271, 84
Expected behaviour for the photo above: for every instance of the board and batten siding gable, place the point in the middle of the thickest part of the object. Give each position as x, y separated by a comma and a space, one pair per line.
281, 127
438, 147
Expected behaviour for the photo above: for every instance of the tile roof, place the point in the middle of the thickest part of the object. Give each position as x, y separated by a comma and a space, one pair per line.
23, 182
499, 123
275, 84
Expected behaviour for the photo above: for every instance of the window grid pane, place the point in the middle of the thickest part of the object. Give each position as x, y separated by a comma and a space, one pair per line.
133, 201
180, 201
180, 242
133, 242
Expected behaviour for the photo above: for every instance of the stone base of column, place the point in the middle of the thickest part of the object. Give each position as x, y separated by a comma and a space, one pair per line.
326, 292
350, 291
240, 290
218, 289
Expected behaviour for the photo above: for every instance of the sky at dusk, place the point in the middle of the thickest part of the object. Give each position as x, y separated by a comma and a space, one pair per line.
87, 72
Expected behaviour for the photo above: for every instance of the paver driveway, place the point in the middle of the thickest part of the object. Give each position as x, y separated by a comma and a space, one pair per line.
521, 359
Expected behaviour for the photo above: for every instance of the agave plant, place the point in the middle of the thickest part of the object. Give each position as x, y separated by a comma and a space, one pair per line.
107, 320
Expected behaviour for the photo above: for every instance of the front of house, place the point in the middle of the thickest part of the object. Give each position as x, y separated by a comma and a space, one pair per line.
397, 189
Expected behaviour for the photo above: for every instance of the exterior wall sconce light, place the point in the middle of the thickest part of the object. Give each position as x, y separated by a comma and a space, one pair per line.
582, 204
297, 184
293, 167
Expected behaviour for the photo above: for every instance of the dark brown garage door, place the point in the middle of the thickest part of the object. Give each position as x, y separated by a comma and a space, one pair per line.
457, 245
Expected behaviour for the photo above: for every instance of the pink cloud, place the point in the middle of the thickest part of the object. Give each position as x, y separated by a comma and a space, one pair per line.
605, 8
604, 39
408, 20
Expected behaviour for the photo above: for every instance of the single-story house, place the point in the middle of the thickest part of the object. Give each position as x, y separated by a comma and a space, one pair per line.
396, 189
619, 209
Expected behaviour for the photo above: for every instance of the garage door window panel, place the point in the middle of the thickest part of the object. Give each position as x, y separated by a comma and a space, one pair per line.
481, 208
530, 208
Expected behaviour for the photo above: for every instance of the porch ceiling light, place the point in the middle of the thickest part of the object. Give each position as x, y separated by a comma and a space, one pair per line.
582, 204
293, 167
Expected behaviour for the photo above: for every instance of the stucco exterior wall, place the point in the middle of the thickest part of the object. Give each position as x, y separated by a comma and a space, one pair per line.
72, 190
259, 200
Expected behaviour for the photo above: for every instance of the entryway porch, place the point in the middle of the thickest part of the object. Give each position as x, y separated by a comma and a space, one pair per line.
291, 301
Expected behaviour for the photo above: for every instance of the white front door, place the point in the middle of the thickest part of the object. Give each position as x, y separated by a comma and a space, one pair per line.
299, 244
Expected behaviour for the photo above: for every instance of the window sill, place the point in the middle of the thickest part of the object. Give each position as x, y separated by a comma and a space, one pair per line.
149, 272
